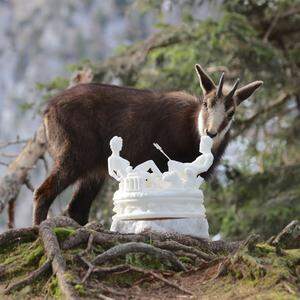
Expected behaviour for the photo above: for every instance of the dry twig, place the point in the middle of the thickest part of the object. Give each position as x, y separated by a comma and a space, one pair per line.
17, 141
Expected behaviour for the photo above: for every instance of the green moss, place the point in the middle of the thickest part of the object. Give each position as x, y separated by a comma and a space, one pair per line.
63, 232
98, 249
80, 289
26, 253
124, 279
10, 254
42, 260
54, 289
228, 288
146, 261
185, 259
263, 249
34, 255
267, 272
69, 277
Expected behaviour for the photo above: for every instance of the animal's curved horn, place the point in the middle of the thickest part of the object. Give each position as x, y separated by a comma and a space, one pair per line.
231, 93
220, 86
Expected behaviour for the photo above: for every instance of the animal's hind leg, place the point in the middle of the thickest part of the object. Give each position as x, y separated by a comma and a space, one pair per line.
86, 192
44, 196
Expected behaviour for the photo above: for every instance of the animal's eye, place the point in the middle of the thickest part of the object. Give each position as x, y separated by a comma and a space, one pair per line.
230, 115
204, 104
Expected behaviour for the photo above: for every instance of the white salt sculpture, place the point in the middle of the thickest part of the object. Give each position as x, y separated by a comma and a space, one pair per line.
156, 201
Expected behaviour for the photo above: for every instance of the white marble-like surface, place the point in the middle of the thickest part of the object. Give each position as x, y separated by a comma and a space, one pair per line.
156, 201
197, 227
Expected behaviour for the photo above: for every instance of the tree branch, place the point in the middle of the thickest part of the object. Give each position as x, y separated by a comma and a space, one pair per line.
243, 125
16, 173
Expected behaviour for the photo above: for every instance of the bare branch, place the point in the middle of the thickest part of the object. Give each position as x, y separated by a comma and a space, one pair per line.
243, 125
46, 166
9, 155
17, 141
28, 184
17, 171
271, 27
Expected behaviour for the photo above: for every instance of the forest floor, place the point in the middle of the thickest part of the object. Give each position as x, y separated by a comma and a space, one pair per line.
62, 260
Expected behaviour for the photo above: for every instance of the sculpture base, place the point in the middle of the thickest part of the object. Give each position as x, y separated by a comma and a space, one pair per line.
197, 227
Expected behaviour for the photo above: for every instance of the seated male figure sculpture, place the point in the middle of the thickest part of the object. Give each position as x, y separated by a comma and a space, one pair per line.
119, 167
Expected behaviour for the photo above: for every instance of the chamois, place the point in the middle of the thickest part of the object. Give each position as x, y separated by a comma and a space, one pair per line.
80, 121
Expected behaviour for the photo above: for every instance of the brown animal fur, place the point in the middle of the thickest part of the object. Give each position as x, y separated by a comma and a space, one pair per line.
81, 121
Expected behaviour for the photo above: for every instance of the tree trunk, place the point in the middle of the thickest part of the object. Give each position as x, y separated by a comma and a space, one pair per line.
17, 172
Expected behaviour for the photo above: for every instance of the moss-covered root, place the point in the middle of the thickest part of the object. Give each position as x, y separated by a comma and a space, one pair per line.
53, 252
263, 267
288, 238
29, 279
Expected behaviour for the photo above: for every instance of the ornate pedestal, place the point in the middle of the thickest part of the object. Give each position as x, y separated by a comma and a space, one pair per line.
156, 201
141, 209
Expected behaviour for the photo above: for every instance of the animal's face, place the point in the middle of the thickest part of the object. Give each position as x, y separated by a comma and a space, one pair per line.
219, 105
215, 116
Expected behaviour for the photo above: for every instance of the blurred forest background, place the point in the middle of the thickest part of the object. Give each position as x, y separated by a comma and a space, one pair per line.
46, 46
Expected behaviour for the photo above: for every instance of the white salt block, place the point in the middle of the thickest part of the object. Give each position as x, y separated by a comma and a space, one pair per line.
197, 227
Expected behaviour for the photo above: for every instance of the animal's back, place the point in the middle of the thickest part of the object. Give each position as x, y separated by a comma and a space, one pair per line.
80, 122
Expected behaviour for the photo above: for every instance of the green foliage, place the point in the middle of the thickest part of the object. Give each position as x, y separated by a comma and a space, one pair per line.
26, 106
58, 83
261, 202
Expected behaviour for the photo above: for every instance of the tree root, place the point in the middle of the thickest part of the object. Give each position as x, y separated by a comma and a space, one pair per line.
171, 248
126, 268
160, 278
228, 264
175, 246
18, 235
54, 254
288, 238
109, 239
133, 247
29, 279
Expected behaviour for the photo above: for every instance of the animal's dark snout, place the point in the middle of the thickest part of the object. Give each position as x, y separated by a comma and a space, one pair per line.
211, 134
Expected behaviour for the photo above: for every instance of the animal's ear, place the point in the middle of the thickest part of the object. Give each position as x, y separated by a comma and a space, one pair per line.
206, 83
246, 91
